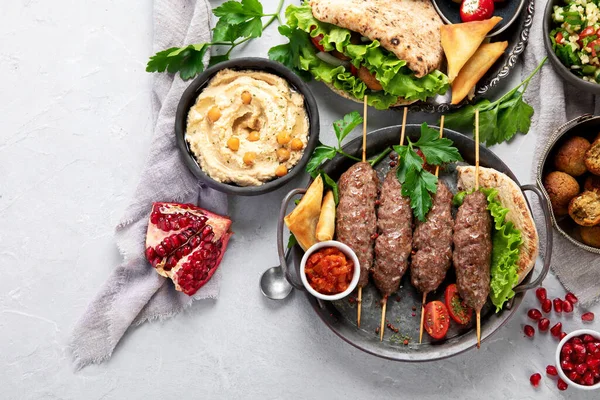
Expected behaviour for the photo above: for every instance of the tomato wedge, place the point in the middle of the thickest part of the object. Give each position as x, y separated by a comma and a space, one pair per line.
459, 311
436, 320
317, 42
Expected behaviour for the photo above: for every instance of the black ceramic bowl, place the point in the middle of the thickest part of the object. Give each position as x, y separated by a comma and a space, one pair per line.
188, 99
509, 10
559, 67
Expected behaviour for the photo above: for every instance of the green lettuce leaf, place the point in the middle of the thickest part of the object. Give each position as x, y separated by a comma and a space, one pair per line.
506, 241
395, 77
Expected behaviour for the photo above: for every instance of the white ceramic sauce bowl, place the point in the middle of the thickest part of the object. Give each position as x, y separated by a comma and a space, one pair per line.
344, 249
561, 373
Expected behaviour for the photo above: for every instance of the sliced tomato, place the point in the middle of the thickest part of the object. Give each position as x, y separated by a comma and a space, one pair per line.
459, 311
559, 38
589, 31
436, 320
317, 42
595, 46
353, 70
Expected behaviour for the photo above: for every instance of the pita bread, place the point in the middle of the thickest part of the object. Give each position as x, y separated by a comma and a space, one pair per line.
483, 59
401, 101
461, 41
510, 197
410, 29
326, 224
302, 221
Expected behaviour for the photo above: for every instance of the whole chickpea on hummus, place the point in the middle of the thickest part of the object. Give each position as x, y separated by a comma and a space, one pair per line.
247, 127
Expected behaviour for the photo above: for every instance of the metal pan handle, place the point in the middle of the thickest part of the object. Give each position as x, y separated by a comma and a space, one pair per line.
287, 272
548, 253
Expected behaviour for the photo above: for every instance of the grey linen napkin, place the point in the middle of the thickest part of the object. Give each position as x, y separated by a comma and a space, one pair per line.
135, 293
555, 102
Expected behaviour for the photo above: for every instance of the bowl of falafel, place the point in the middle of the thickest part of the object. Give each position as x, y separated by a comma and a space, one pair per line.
569, 174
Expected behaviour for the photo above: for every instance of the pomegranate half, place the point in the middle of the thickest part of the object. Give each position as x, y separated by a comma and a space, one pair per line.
186, 244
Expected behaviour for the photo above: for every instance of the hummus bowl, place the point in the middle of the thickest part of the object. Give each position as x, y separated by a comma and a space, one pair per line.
247, 126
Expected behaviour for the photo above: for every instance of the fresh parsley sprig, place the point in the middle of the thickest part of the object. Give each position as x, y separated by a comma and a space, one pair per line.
417, 183
500, 120
238, 22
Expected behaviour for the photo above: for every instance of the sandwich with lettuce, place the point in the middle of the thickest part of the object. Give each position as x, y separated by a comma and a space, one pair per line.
515, 241
388, 50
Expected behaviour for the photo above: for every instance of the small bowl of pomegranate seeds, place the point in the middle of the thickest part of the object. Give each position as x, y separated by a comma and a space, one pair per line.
329, 270
578, 359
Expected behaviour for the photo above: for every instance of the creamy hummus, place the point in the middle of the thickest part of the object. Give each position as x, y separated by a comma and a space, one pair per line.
258, 111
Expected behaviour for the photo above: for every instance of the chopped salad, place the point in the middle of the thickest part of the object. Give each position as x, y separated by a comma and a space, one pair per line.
576, 40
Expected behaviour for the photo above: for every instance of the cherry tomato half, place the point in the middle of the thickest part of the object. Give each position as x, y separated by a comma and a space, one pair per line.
559, 38
458, 310
436, 320
476, 10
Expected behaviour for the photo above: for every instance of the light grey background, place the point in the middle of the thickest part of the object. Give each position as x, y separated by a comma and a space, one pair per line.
76, 126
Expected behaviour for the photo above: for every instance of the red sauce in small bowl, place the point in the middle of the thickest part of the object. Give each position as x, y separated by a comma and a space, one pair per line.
329, 271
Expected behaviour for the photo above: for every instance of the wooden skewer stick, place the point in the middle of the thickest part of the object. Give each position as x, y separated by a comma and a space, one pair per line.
437, 173
382, 327
403, 130
364, 158
477, 188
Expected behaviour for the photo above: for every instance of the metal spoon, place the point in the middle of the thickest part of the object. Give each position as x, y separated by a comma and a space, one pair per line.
273, 284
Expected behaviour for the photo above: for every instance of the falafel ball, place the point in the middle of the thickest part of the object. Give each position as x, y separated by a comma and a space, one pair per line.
571, 155
592, 158
561, 188
585, 209
590, 235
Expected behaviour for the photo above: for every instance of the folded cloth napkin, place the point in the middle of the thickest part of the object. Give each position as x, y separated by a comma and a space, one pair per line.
555, 102
135, 293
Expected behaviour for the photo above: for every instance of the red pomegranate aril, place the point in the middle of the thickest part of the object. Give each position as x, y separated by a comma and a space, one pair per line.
588, 316
562, 335
547, 306
588, 378
543, 324
551, 370
534, 314
557, 305
556, 329
567, 349
576, 340
535, 379
529, 331
579, 348
592, 347
561, 385
578, 358
581, 368
567, 306
154, 217
541, 294
160, 250
573, 375
150, 254
571, 298
593, 363
588, 338
566, 365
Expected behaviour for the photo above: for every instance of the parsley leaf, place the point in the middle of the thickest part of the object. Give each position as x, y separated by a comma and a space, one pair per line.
289, 54
418, 186
435, 149
333, 186
501, 120
321, 153
238, 22
344, 126
410, 161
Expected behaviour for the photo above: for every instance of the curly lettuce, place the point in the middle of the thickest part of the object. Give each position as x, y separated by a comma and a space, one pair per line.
506, 242
394, 76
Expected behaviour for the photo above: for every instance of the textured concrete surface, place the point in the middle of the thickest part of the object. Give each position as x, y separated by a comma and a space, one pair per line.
76, 126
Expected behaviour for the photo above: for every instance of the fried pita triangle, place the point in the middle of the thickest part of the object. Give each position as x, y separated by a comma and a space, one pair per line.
461, 41
483, 59
302, 221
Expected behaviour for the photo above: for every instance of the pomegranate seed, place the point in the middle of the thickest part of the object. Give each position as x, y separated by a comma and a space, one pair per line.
573, 375
593, 363
567, 349
543, 324
556, 329
576, 340
579, 348
535, 379
571, 298
588, 378
529, 331
562, 385
557, 305
562, 335
588, 338
588, 316
566, 365
160, 250
546, 306
567, 306
581, 368
577, 358
150, 254
534, 314
541, 294
551, 370
592, 348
